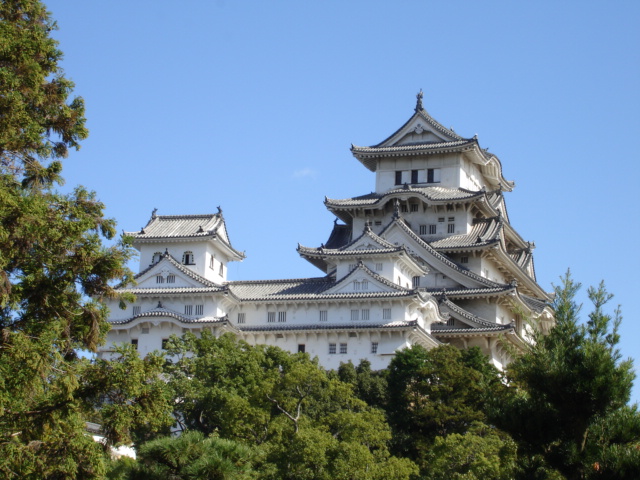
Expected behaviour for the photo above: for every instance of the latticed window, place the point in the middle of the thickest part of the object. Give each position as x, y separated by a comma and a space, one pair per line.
271, 317
365, 284
159, 279
414, 206
423, 229
323, 315
188, 309
451, 228
386, 314
187, 258
432, 229
343, 348
282, 316
378, 267
365, 314
374, 347
199, 309
136, 309
171, 279
355, 314
241, 317
356, 286
332, 348
134, 342
415, 282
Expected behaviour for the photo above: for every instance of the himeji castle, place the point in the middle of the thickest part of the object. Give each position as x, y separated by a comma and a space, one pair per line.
429, 257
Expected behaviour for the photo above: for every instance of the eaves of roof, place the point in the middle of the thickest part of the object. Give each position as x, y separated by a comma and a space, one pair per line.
188, 272
363, 325
166, 313
433, 195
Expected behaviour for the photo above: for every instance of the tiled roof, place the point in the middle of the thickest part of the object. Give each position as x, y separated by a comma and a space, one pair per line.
478, 321
165, 312
172, 226
303, 289
436, 147
471, 292
534, 304
340, 235
437, 255
170, 290
328, 326
429, 194
484, 233
437, 331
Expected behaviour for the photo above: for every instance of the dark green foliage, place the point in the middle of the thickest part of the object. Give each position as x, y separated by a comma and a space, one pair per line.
368, 385
569, 390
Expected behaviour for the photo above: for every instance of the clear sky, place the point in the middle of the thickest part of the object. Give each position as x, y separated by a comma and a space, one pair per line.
253, 106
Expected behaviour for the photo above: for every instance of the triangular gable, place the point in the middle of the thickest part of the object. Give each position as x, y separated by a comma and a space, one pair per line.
374, 283
167, 266
398, 233
421, 128
368, 241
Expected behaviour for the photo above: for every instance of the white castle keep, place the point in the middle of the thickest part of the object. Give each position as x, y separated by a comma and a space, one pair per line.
430, 257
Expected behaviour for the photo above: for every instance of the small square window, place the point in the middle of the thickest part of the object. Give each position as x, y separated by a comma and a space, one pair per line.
242, 317
356, 286
199, 309
144, 330
159, 279
271, 317
414, 206
164, 343
378, 267
171, 279
136, 310
301, 348
323, 315
378, 223
365, 314
464, 259
343, 348
374, 347
282, 316
452, 219
188, 309
440, 219
403, 208
332, 348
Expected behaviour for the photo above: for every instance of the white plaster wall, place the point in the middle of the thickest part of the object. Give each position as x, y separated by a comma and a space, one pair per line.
449, 170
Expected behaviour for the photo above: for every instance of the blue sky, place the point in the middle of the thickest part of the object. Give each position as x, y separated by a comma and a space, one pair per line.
253, 106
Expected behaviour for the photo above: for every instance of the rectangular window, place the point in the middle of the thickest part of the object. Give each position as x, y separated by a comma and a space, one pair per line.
212, 263
282, 316
365, 284
221, 272
452, 219
271, 317
432, 229
365, 314
332, 348
423, 229
403, 208
159, 279
171, 279
301, 348
415, 282
199, 309
398, 177
343, 348
414, 176
136, 310
414, 207
440, 219
378, 267
378, 223
433, 175
464, 259
144, 330
134, 342
188, 309
164, 343
355, 314
386, 314
242, 317
374, 347
356, 286
323, 316
451, 228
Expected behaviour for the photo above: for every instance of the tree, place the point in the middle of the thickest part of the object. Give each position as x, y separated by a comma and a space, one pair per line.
568, 393
434, 393
306, 423
54, 269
